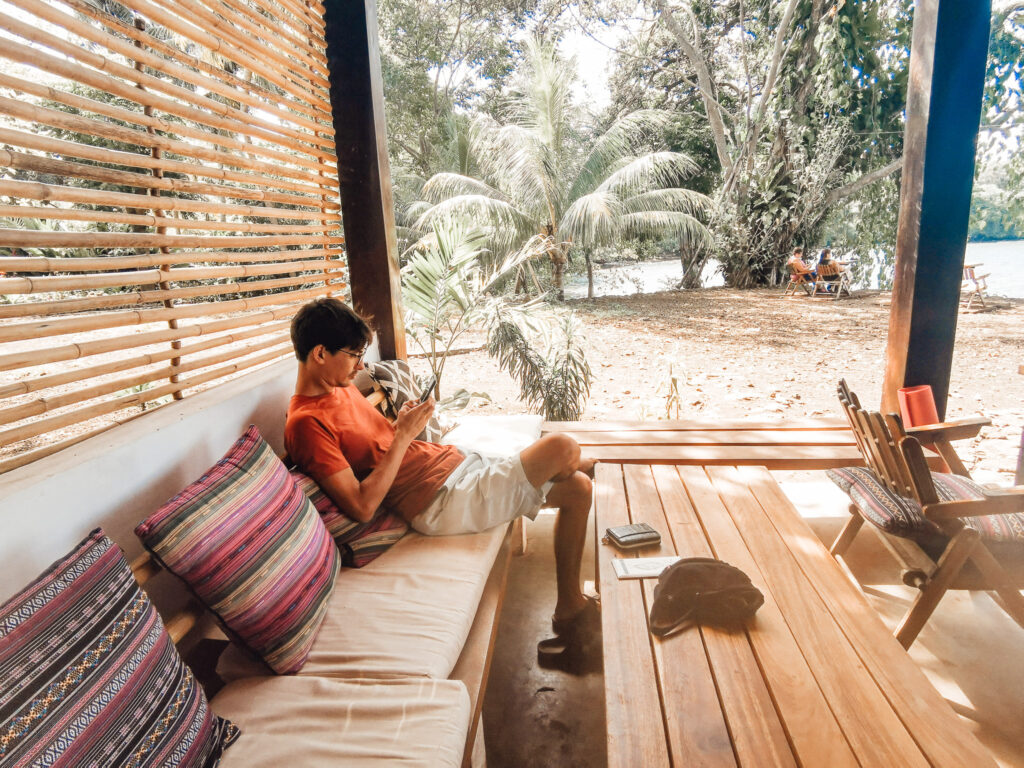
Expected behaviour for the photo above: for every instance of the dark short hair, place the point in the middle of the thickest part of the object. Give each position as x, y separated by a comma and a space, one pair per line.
798, 249
329, 322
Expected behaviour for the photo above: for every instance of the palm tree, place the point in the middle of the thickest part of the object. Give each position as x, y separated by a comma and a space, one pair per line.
537, 176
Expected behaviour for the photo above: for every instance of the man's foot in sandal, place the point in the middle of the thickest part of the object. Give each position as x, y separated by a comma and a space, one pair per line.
587, 619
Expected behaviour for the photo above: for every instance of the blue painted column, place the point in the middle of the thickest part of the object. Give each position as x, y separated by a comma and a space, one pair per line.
947, 77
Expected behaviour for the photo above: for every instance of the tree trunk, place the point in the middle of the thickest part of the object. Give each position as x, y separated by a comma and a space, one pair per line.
590, 274
693, 266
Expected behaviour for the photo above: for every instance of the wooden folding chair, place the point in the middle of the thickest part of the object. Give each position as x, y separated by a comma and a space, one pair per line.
833, 287
944, 529
973, 286
798, 278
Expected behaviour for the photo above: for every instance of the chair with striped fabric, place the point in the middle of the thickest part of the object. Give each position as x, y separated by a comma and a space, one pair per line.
947, 531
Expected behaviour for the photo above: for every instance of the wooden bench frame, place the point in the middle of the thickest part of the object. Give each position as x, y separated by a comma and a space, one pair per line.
472, 667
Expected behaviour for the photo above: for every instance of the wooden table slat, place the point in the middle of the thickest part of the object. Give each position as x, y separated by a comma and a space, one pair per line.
758, 736
812, 728
698, 424
772, 456
872, 728
828, 437
695, 726
636, 729
930, 720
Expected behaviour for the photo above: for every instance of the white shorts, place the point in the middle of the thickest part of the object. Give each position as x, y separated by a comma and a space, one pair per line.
481, 493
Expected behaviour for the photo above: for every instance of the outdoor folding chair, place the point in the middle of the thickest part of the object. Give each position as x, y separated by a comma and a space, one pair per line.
947, 531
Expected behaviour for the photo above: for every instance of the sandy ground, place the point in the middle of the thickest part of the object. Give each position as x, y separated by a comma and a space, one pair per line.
756, 354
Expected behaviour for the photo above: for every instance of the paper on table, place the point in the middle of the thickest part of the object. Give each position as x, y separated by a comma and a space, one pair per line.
641, 567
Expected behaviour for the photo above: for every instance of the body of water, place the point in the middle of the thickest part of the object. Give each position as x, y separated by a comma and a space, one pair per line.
1002, 261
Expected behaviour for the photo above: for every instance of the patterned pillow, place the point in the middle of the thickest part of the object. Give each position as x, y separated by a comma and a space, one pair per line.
360, 543
903, 516
399, 385
88, 676
252, 548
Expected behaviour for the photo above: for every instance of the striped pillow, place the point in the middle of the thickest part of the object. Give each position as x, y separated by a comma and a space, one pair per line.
252, 548
88, 676
359, 543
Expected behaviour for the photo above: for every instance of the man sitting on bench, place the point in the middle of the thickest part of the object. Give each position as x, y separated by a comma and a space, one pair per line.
363, 461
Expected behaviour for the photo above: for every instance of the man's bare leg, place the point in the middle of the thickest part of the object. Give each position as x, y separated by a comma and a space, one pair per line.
556, 458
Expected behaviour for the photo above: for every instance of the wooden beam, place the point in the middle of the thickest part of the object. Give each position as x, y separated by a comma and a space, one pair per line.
364, 172
947, 76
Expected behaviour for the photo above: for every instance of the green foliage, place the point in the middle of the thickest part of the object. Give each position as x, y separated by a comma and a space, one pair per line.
449, 287
539, 176
556, 377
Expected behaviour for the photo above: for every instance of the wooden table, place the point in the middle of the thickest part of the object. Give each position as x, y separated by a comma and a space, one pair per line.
815, 679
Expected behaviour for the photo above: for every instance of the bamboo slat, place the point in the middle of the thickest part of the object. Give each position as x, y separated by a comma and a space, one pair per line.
27, 457
171, 52
177, 101
145, 220
223, 196
114, 44
32, 239
135, 160
31, 190
141, 298
240, 158
19, 285
285, 29
59, 119
36, 428
234, 23
28, 162
39, 383
43, 405
120, 319
87, 264
82, 349
235, 42
158, 14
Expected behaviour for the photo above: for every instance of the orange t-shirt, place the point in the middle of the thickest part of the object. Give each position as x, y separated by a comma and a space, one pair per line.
328, 433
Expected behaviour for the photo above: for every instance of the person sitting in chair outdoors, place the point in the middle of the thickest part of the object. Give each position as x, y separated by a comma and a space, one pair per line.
797, 263
825, 257
362, 461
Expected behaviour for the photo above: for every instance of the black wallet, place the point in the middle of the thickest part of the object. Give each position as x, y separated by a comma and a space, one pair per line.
632, 536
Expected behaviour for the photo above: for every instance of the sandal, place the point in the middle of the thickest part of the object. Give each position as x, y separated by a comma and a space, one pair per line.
587, 618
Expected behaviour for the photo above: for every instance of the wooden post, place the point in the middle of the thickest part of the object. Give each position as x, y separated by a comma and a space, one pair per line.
947, 77
357, 104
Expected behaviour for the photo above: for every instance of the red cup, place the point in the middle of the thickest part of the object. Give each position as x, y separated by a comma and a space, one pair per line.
917, 406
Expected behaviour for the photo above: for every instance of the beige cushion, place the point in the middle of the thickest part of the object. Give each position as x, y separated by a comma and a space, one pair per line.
309, 721
406, 614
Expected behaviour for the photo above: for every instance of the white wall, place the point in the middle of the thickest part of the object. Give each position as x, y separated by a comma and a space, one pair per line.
116, 479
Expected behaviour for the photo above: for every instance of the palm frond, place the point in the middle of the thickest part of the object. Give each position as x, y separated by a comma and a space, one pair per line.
513, 158
593, 219
660, 223
655, 170
623, 140
442, 186
433, 281
674, 199
497, 213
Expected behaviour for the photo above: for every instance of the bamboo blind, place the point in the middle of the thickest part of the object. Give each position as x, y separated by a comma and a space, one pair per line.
168, 199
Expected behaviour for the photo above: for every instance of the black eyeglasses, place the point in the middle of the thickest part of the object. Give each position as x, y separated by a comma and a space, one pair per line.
357, 356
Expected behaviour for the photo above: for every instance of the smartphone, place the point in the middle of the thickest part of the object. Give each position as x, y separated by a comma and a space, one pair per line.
429, 389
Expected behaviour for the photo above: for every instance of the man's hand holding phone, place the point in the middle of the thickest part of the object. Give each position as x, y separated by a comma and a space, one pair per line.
430, 390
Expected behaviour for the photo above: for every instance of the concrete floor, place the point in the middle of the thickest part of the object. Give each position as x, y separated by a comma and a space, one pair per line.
534, 718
